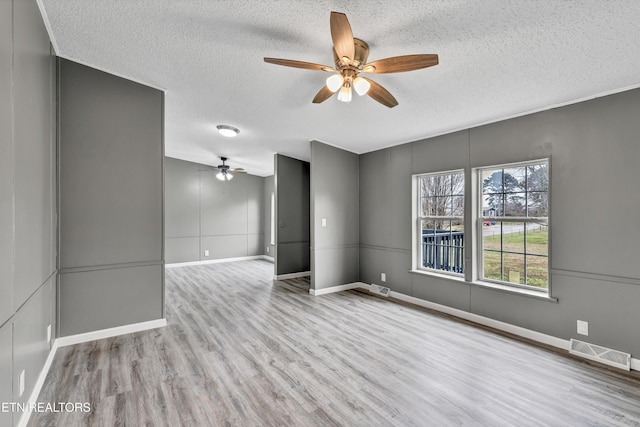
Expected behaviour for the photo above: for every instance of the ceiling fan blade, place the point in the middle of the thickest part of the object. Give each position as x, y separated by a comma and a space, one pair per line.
380, 94
322, 95
237, 170
398, 64
299, 64
342, 36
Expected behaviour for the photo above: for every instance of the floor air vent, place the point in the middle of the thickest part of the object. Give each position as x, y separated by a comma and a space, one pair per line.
601, 354
380, 290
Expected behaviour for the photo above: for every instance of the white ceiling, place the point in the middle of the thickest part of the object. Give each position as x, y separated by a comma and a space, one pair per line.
498, 58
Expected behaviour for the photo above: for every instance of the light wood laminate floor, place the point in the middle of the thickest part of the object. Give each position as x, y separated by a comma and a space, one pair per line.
241, 350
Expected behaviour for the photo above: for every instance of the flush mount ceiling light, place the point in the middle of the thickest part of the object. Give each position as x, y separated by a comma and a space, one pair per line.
228, 131
350, 56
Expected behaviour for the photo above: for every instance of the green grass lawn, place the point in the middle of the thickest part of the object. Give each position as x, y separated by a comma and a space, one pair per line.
512, 265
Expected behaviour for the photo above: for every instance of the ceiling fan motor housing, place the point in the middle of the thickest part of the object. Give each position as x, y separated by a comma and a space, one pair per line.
360, 56
223, 167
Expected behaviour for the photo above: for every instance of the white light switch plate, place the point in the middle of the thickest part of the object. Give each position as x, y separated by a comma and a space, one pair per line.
583, 327
324, 222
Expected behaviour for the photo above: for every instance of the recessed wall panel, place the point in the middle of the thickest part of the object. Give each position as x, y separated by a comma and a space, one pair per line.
223, 209
110, 169
101, 299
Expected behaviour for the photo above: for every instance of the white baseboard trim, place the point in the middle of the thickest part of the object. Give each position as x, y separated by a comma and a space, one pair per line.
218, 261
110, 332
291, 275
269, 258
486, 321
77, 339
339, 288
492, 323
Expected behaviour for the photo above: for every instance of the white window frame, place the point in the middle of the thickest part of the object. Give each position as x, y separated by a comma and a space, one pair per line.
418, 218
480, 218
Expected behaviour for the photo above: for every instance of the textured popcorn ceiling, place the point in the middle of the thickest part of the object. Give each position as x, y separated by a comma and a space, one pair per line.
498, 58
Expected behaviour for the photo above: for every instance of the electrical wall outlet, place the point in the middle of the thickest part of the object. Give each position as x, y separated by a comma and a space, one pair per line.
267, 249
583, 327
324, 222
49, 333
206, 252
383, 277
21, 383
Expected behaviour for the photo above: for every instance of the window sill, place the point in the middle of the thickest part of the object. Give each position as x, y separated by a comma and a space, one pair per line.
439, 275
488, 285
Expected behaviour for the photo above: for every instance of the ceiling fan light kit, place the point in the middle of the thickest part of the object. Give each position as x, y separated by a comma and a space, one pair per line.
224, 173
224, 176
350, 56
361, 86
345, 92
334, 82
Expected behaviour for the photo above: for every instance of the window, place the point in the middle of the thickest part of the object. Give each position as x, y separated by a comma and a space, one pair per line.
513, 224
273, 219
440, 221
511, 241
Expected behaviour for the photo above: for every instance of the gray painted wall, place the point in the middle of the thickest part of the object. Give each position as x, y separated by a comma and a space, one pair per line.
204, 213
293, 215
6, 161
334, 198
595, 241
269, 189
111, 200
27, 199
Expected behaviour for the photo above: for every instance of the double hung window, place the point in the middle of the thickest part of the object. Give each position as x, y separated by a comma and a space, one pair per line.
441, 221
513, 224
511, 210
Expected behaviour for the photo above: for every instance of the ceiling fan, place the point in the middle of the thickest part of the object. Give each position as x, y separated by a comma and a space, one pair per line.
225, 173
350, 55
